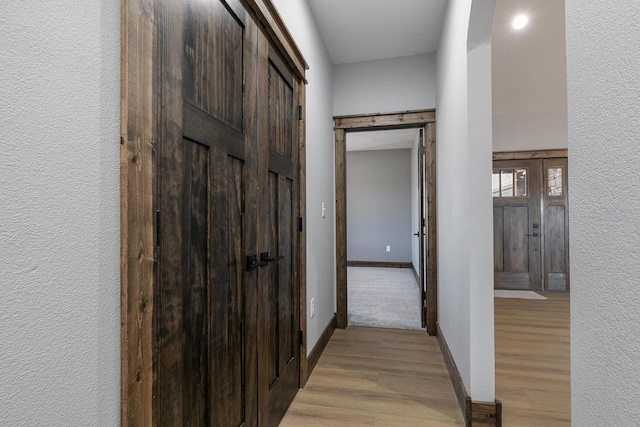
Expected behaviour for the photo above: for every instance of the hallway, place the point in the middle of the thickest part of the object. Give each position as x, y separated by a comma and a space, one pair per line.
383, 377
377, 377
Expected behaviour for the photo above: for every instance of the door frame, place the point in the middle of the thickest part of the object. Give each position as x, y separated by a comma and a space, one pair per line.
385, 121
138, 179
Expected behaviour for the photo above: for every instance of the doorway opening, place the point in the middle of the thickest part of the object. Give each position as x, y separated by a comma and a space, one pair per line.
344, 125
383, 211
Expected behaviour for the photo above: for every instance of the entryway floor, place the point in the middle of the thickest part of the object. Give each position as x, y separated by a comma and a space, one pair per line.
383, 377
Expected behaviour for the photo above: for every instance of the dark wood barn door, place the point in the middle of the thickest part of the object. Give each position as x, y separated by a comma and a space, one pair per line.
206, 308
224, 347
279, 326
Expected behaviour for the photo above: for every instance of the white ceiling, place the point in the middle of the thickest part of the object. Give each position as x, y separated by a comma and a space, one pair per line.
381, 139
363, 30
528, 66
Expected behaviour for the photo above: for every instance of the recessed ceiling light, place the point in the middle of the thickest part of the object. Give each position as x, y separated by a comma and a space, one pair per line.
520, 22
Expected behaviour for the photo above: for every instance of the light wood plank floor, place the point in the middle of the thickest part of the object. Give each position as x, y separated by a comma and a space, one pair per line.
377, 377
382, 377
533, 367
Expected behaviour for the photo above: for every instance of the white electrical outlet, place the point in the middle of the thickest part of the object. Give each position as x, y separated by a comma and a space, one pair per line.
388, 248
313, 307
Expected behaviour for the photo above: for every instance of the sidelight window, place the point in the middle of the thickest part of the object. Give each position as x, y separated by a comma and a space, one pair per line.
554, 182
509, 182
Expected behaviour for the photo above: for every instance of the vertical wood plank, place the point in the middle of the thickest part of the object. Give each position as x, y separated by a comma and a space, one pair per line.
164, 345
302, 235
263, 226
251, 221
137, 176
341, 228
169, 382
432, 233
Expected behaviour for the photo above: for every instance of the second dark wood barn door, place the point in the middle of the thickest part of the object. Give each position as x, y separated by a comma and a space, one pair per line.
278, 336
206, 315
227, 308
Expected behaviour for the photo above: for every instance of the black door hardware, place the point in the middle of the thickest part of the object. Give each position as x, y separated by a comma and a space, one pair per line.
533, 235
253, 263
264, 257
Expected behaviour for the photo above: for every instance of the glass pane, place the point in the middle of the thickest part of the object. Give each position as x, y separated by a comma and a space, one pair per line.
506, 187
495, 179
520, 182
555, 181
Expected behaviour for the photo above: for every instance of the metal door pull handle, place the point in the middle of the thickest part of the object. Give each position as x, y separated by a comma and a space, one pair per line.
264, 257
533, 235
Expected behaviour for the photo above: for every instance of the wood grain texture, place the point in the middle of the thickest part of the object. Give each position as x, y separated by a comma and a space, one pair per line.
251, 214
170, 385
533, 372
556, 229
191, 121
277, 30
302, 234
432, 232
521, 155
415, 118
517, 220
377, 377
341, 228
137, 249
364, 374
485, 414
279, 323
454, 373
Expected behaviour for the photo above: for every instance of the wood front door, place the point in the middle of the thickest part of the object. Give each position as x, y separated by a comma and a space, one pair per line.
531, 224
516, 224
223, 342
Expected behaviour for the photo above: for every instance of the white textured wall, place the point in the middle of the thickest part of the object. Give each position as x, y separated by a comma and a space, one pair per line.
481, 204
603, 73
384, 85
59, 213
320, 174
465, 285
452, 185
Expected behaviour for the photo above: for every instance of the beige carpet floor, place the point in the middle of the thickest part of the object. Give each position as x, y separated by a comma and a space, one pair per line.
383, 298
